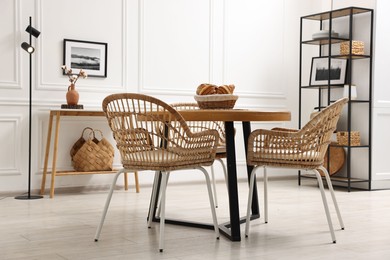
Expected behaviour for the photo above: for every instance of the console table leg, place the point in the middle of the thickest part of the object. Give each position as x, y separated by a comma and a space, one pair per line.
136, 181
53, 172
44, 174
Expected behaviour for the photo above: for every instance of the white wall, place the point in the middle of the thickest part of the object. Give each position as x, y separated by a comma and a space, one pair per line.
381, 109
162, 48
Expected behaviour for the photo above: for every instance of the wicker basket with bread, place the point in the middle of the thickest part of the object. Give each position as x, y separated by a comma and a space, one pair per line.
211, 96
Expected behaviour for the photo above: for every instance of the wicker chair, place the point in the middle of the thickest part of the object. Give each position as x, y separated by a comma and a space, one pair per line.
300, 149
197, 126
151, 135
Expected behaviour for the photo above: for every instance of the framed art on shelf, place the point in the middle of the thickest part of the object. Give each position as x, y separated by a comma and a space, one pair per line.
86, 55
320, 73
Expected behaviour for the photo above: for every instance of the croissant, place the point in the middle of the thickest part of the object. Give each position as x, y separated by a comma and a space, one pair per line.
210, 89
206, 89
225, 89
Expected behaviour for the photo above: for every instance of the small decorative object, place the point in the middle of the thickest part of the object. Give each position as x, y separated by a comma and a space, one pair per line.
210, 96
324, 34
72, 96
342, 138
353, 91
91, 154
357, 48
320, 73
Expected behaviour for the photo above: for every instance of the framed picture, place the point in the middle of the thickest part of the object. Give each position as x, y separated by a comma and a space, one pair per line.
89, 56
320, 73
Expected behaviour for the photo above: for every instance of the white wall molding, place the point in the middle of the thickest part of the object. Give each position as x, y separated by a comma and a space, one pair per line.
10, 161
382, 104
15, 84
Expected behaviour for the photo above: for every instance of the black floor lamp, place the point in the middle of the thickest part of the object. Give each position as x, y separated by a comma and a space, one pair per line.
29, 49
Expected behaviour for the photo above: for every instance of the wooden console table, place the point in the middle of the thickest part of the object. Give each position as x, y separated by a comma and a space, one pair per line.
58, 113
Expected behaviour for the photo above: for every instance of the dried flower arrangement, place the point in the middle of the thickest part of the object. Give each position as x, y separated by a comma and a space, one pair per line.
73, 78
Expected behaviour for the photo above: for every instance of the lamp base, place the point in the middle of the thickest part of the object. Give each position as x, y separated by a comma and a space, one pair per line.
28, 197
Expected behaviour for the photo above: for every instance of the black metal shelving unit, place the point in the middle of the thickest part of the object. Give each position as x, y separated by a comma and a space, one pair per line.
346, 18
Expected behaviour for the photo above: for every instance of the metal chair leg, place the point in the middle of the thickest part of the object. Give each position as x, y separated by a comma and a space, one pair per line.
108, 200
214, 186
212, 206
162, 205
330, 187
321, 185
153, 200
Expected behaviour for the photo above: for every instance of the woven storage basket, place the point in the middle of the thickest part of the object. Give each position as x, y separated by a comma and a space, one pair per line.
342, 138
216, 101
92, 154
357, 48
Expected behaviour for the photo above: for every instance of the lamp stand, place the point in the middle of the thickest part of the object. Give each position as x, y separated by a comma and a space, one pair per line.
29, 196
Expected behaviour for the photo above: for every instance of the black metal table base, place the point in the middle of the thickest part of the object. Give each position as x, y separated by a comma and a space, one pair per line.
230, 229
224, 228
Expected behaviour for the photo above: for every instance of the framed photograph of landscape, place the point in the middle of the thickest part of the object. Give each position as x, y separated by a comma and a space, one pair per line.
89, 56
320, 73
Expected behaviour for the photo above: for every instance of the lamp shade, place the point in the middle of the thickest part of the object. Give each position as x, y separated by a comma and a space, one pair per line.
34, 32
27, 47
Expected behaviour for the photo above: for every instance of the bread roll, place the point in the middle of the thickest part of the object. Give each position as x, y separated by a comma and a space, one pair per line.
231, 88
225, 89
210, 89
206, 89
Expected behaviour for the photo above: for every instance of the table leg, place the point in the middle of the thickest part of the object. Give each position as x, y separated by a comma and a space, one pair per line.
53, 170
232, 184
246, 127
47, 152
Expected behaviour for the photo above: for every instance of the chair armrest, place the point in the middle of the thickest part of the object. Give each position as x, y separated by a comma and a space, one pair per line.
280, 129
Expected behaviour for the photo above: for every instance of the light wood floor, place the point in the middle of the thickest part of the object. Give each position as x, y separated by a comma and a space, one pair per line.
64, 227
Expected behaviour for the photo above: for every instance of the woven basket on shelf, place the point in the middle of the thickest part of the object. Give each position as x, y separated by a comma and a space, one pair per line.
342, 138
216, 101
357, 48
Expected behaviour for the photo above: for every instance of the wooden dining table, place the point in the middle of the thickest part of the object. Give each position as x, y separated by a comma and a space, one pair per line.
230, 229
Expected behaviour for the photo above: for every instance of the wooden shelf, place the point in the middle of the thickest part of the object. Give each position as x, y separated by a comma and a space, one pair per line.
65, 173
337, 178
336, 13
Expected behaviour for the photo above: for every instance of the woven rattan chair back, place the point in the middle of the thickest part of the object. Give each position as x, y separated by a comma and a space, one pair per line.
197, 126
152, 135
304, 148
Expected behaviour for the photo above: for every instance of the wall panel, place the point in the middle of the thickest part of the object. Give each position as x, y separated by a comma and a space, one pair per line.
9, 45
175, 45
254, 47
11, 142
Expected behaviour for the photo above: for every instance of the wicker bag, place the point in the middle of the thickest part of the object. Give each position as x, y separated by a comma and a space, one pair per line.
92, 154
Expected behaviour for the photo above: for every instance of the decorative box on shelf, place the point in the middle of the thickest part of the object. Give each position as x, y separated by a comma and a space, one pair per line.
342, 138
357, 48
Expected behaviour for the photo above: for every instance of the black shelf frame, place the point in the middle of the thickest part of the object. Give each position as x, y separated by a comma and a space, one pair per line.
327, 42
